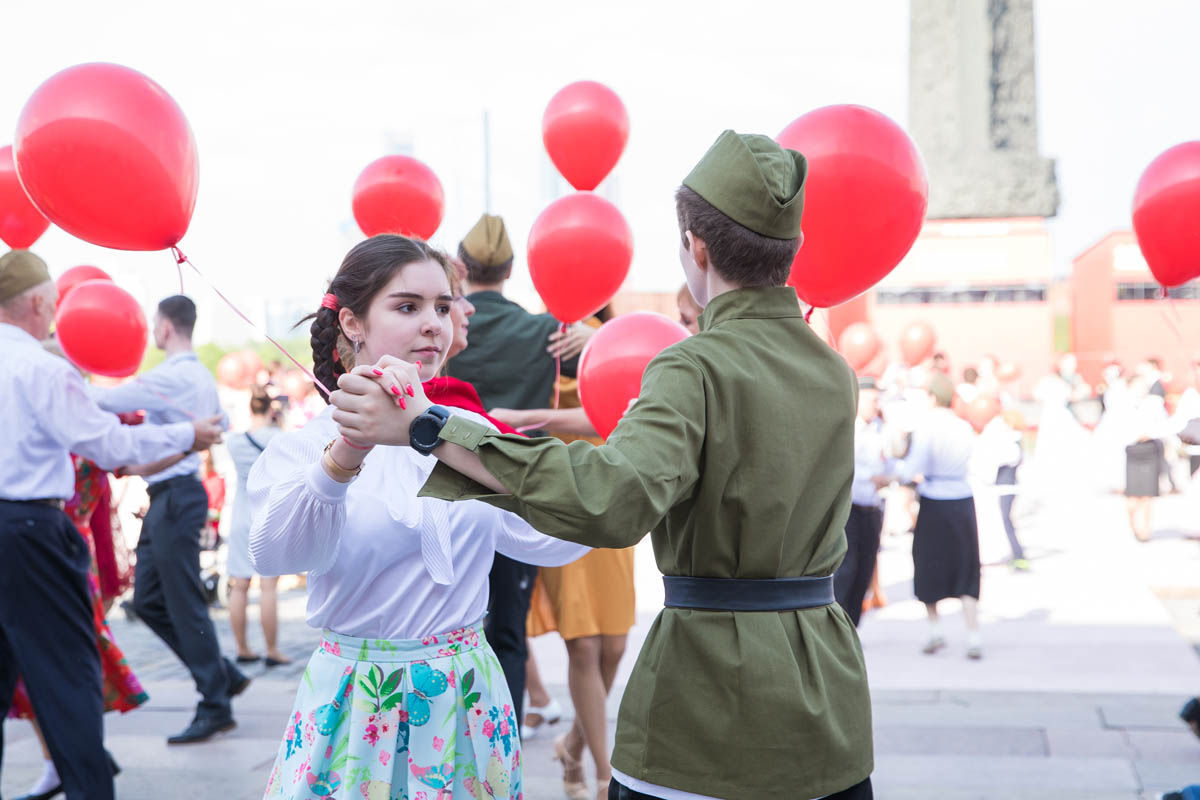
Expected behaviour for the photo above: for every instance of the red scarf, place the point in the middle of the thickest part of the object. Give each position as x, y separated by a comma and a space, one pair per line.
449, 391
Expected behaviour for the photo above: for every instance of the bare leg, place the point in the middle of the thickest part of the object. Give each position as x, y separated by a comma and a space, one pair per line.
268, 609
238, 590
588, 695
936, 640
538, 696
971, 613
37, 730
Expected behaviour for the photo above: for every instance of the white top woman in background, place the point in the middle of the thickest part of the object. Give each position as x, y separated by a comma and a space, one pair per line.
404, 695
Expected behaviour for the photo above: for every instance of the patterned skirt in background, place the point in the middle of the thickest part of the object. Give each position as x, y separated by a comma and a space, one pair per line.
401, 719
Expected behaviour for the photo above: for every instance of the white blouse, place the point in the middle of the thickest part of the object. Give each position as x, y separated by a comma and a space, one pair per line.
381, 562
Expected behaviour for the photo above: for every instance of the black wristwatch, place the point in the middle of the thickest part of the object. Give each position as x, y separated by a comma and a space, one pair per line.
423, 433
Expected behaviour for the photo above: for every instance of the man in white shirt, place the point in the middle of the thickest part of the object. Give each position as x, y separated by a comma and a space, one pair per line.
168, 593
46, 630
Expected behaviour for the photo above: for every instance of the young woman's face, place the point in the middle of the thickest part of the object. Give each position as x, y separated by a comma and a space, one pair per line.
461, 312
409, 319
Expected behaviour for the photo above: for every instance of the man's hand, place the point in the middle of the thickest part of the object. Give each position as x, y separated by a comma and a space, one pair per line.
881, 481
570, 344
376, 404
208, 433
513, 417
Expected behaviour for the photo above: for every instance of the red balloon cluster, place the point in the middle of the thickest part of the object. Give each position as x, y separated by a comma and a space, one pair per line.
580, 246
1166, 208
864, 203
398, 194
585, 129
107, 155
859, 345
102, 329
75, 276
980, 411
916, 342
21, 224
610, 370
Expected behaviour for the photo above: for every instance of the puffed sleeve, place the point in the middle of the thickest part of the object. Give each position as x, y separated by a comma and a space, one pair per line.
297, 510
516, 539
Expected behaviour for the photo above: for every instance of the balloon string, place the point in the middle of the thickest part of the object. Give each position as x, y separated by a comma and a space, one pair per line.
180, 258
164, 398
558, 365
808, 314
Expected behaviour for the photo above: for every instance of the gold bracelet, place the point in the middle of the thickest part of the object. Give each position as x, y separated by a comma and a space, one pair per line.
336, 470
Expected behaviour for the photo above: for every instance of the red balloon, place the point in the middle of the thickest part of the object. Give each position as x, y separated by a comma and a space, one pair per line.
580, 249
916, 342
398, 194
251, 365
296, 385
611, 367
108, 156
102, 329
21, 224
864, 202
980, 411
77, 275
858, 344
1166, 207
585, 129
231, 371
1007, 372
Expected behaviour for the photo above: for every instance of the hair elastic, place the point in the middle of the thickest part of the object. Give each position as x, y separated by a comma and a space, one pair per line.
329, 301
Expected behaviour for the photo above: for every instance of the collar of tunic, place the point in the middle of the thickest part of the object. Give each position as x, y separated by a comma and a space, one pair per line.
773, 302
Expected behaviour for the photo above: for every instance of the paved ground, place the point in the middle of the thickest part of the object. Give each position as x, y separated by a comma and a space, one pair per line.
1088, 658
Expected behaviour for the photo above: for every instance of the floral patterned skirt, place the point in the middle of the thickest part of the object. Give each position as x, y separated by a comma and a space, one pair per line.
401, 719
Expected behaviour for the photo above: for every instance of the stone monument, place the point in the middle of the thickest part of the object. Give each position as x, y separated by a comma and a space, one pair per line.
973, 109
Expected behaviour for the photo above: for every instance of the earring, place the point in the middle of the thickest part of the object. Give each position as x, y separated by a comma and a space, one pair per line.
357, 345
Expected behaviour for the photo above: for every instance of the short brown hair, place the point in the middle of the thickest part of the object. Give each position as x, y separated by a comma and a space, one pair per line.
479, 273
739, 255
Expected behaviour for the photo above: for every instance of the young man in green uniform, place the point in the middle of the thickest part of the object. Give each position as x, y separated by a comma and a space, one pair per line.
739, 456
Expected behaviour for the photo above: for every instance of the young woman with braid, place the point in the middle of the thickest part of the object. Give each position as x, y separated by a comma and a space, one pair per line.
404, 695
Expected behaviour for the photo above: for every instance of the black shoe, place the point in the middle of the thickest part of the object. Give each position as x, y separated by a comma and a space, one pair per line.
238, 685
130, 613
249, 659
275, 662
1190, 713
202, 729
113, 766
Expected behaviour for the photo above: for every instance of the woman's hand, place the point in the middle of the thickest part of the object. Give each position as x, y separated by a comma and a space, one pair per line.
376, 404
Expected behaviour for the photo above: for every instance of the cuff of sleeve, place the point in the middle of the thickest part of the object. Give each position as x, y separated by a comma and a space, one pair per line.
325, 487
464, 432
445, 483
183, 435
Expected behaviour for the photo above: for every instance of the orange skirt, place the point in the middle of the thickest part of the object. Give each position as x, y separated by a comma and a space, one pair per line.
589, 597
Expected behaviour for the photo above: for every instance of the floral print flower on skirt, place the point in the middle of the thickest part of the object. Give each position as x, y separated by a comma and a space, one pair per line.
401, 719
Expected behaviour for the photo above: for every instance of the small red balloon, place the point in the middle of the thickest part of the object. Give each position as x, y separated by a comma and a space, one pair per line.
980, 411
77, 275
296, 385
252, 364
585, 129
21, 224
864, 203
398, 194
611, 367
102, 329
230, 371
108, 156
1166, 208
916, 342
858, 344
580, 249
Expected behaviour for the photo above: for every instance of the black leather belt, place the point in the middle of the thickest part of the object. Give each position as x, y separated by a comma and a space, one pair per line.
747, 594
53, 502
162, 486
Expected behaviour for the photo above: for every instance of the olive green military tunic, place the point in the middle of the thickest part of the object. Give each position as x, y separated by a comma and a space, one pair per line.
738, 456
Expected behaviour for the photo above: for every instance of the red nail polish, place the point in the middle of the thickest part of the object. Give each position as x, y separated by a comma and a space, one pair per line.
418, 365
403, 405
377, 371
410, 391
395, 391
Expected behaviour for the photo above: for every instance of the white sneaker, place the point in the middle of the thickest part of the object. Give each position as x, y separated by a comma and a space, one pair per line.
548, 714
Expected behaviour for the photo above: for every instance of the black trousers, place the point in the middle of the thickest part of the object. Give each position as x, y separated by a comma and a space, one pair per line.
511, 587
860, 791
853, 577
47, 637
168, 594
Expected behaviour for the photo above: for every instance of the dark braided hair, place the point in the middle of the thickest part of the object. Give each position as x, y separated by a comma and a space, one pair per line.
365, 270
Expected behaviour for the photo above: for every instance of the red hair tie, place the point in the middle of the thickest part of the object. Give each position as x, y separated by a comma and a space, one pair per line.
330, 301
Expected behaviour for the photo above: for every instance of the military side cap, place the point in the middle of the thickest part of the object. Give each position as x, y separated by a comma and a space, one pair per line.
20, 270
487, 243
753, 181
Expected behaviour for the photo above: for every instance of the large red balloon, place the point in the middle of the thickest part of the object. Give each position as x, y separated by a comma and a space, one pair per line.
916, 342
580, 249
858, 344
21, 224
102, 329
864, 201
585, 129
231, 371
980, 411
108, 156
610, 370
77, 275
1166, 211
398, 194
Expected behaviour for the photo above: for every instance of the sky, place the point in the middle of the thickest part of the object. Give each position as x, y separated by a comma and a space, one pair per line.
290, 100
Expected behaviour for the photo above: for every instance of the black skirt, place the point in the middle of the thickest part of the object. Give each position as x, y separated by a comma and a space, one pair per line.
1143, 465
946, 550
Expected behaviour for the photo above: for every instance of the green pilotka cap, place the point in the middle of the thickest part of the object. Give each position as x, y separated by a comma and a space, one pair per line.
20, 270
487, 243
754, 181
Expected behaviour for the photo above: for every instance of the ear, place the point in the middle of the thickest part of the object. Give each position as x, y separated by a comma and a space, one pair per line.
699, 251
351, 324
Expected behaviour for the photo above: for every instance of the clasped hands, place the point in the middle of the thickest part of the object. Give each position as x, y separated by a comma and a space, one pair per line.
377, 403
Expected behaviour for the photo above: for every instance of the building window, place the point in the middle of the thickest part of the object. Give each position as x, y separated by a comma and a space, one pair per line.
1152, 291
1022, 293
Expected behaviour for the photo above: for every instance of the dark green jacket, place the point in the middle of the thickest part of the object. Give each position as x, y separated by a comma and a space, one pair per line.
738, 456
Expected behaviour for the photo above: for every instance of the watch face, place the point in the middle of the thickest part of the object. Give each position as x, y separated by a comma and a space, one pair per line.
424, 432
